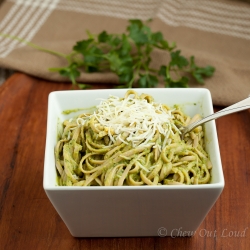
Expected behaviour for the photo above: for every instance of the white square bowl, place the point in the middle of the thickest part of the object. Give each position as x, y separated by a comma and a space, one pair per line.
132, 211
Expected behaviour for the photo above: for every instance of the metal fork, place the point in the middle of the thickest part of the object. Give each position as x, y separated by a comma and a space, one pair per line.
239, 106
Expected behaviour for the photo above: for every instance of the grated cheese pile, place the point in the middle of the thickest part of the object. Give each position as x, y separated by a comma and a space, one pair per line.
139, 118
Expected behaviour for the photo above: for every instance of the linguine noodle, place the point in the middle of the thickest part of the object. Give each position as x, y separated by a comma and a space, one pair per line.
131, 141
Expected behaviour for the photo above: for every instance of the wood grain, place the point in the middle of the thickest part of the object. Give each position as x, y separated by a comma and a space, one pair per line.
29, 221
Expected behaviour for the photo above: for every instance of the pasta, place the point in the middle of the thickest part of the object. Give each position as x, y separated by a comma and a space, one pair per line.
131, 141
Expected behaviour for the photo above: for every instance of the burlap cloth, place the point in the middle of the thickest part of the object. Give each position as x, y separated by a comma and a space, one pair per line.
216, 32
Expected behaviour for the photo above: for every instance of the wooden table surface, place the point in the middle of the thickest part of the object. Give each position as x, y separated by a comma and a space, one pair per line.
28, 219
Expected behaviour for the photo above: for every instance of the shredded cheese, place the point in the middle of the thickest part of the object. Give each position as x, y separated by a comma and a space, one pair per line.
135, 116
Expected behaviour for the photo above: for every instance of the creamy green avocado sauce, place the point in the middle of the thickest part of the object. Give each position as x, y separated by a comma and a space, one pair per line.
69, 111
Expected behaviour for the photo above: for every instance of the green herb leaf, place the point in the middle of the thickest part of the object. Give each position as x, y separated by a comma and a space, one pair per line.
82, 46
142, 82
137, 32
199, 73
126, 47
114, 60
71, 72
163, 71
103, 37
178, 60
147, 81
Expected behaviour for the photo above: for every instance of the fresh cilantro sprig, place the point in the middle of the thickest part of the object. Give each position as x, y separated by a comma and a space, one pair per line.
128, 55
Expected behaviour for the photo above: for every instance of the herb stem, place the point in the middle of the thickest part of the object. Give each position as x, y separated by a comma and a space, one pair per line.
35, 46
